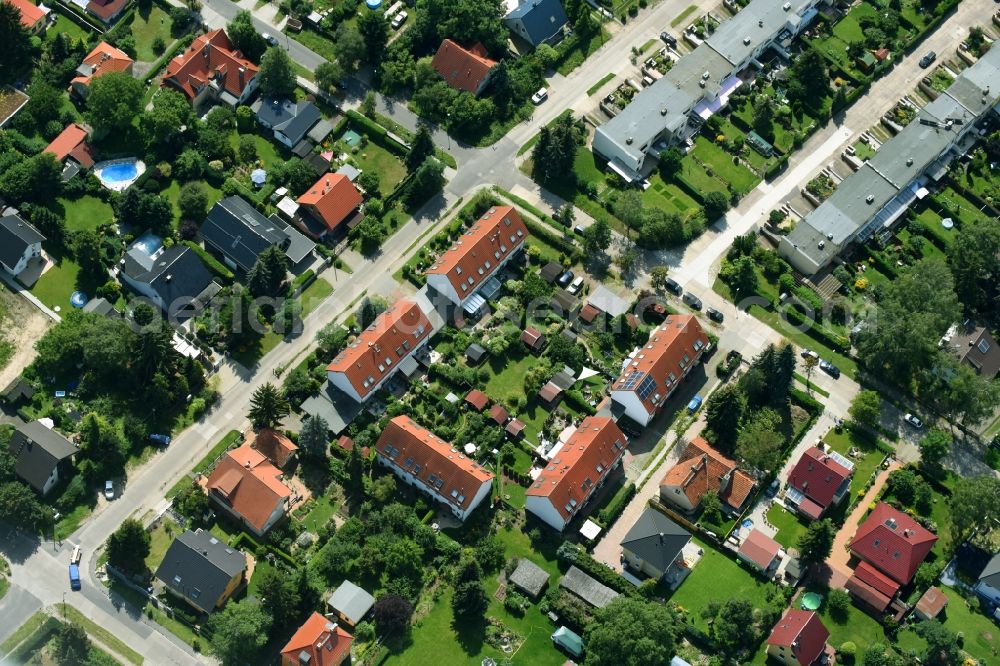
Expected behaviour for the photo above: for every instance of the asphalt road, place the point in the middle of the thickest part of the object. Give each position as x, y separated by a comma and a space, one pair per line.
41, 567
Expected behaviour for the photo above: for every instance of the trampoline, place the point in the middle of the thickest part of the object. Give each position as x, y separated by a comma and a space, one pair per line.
948, 223
811, 601
78, 299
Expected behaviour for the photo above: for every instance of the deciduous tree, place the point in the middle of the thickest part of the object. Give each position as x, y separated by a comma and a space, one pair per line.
349, 47
392, 614
631, 632
128, 547
113, 102
239, 632
276, 75
866, 408
170, 112
245, 37
759, 443
374, 29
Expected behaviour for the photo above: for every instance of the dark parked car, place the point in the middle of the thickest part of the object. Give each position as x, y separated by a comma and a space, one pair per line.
830, 369
928, 58
565, 279
691, 300
714, 315
668, 38
673, 287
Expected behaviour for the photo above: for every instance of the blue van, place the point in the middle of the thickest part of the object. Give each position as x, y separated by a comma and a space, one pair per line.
74, 577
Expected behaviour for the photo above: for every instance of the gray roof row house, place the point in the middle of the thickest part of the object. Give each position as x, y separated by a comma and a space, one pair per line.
290, 120
698, 84
878, 193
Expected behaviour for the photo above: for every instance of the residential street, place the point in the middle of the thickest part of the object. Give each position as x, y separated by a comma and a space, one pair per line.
39, 574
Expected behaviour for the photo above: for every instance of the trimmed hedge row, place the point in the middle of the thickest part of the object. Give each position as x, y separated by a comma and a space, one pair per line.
211, 262
604, 575
377, 133
609, 514
168, 55
257, 548
822, 334
805, 401
559, 243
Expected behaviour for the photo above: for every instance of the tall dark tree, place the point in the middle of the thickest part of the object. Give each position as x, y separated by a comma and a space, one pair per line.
734, 628
16, 42
170, 112
245, 37
974, 259
809, 80
715, 206
555, 150
817, 542
128, 547
37, 178
239, 632
268, 273
975, 502
314, 437
88, 252
374, 29
71, 644
392, 614
671, 161
279, 594
267, 407
277, 75
597, 237
20, 507
421, 148
349, 47
724, 412
631, 632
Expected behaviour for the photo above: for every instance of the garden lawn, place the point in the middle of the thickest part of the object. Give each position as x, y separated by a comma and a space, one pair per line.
698, 178
313, 295
57, 284
669, 197
843, 441
966, 211
508, 382
70, 521
716, 578
267, 150
982, 638
320, 512
160, 539
574, 50
65, 26
857, 626
315, 42
173, 193
84, 214
790, 528
390, 168
741, 178
261, 566
146, 29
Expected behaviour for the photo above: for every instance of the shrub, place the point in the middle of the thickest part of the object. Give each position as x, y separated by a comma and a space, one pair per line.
609, 514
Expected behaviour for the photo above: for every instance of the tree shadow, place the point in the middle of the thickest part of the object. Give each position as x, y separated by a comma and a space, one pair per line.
470, 633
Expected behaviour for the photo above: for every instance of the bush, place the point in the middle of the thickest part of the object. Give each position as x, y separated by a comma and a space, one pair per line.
211, 262
610, 512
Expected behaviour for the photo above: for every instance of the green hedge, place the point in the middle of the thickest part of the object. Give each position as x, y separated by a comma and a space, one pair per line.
244, 538
168, 55
804, 400
775, 168
211, 262
822, 334
576, 399
566, 247
609, 514
604, 574
688, 188
302, 280
376, 133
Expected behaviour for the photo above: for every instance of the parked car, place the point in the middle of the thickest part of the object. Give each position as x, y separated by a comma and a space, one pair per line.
578, 229
691, 300
564, 279
913, 421
75, 557
808, 353
694, 404
162, 440
668, 38
715, 315
399, 19
576, 285
830, 369
74, 577
673, 287
540, 96
927, 59
109, 489
270, 39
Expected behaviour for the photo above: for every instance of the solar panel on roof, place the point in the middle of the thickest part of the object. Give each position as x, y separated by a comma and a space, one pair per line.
632, 380
646, 387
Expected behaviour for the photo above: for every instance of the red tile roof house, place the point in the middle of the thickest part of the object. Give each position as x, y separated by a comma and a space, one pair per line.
576, 472
107, 10
318, 642
331, 202
32, 15
247, 487
760, 551
653, 372
369, 362
212, 69
424, 460
891, 546
818, 481
702, 470
464, 69
72, 144
104, 59
533, 339
276, 447
486, 247
799, 639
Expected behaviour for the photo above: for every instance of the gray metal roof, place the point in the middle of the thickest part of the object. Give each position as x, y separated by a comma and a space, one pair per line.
541, 19
587, 588
351, 601
755, 24
990, 575
335, 406
175, 273
896, 164
37, 450
529, 577
656, 539
299, 246
16, 235
198, 567
240, 232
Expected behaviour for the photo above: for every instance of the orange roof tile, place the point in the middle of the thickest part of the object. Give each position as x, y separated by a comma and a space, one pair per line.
326, 643
275, 446
498, 414
435, 462
740, 486
210, 56
479, 252
104, 59
702, 470
760, 548
589, 313
30, 12
803, 632
377, 351
671, 348
932, 602
250, 484
332, 199
67, 141
515, 428
586, 458
106, 9
462, 69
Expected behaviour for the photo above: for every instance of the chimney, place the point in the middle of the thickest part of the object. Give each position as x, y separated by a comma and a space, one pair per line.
241, 71
204, 50
169, 277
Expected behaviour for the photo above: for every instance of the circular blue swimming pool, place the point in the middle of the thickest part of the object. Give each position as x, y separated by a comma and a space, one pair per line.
124, 172
373, 4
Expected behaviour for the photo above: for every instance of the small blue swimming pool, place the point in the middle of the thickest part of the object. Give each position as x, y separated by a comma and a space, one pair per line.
78, 299
373, 4
119, 173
